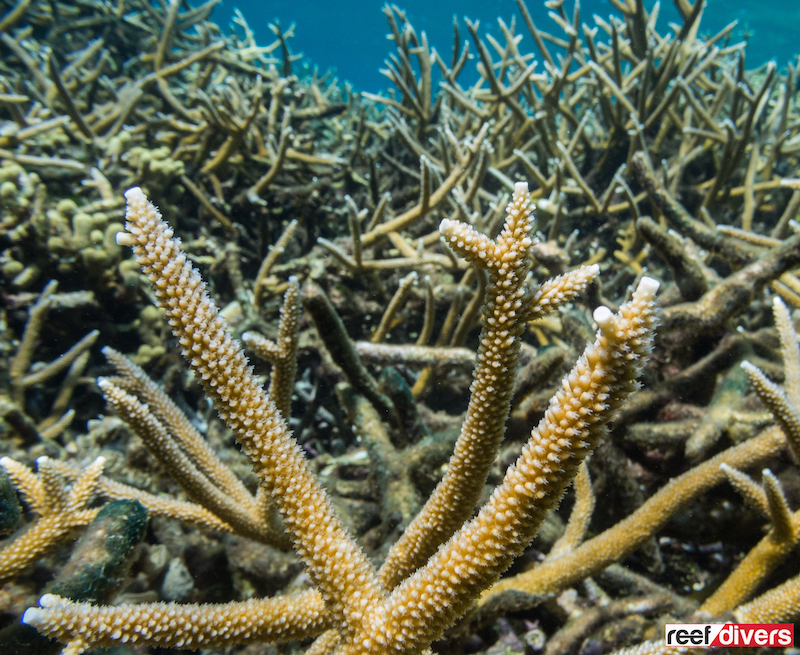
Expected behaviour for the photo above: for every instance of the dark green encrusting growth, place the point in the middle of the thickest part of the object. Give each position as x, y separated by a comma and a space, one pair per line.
99, 558
96, 567
10, 511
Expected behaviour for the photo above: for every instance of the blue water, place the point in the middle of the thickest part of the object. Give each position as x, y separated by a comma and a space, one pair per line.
350, 35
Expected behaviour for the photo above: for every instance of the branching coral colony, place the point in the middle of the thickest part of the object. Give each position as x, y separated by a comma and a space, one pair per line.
421, 589
653, 154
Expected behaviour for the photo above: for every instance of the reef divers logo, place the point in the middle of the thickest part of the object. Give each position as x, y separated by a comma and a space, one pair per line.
715, 635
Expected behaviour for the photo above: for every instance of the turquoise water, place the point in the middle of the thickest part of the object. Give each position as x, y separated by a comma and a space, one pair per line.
350, 36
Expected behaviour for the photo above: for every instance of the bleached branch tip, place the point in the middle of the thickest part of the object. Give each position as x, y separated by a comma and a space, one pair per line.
33, 616
445, 223
648, 287
37, 615
603, 316
125, 239
135, 193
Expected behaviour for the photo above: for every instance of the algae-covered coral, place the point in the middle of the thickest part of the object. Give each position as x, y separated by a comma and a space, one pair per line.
372, 250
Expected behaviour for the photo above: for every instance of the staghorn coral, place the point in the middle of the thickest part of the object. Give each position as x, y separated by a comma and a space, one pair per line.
599, 383
60, 511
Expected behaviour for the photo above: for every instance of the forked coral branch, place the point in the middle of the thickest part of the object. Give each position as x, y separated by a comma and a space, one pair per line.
60, 510
427, 596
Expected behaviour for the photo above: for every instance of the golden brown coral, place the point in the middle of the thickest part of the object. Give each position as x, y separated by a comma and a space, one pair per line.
367, 617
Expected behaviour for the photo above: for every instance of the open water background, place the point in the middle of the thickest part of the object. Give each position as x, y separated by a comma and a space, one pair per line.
350, 35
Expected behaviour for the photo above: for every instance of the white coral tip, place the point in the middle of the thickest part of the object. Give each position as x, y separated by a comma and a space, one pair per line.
33, 616
124, 239
520, 187
5, 461
603, 316
49, 600
134, 194
648, 287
